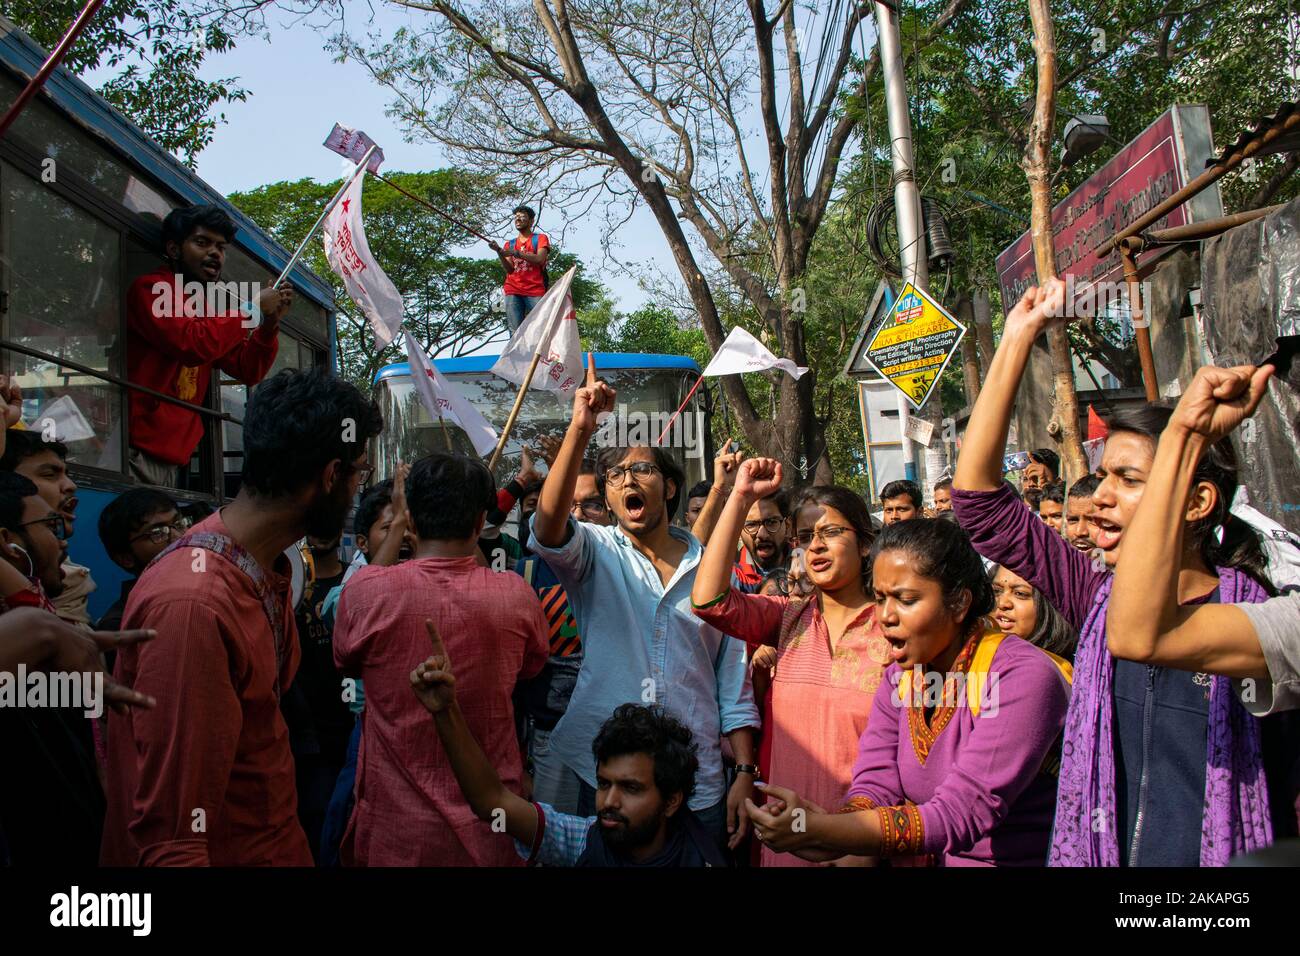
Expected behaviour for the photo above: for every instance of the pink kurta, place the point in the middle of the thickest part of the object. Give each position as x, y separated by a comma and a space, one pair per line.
820, 699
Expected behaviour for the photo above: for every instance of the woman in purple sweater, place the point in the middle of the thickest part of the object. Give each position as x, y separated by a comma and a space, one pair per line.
1159, 767
959, 753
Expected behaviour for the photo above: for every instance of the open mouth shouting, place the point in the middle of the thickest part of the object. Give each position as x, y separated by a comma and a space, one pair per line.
1105, 534
211, 269
819, 564
634, 506
897, 648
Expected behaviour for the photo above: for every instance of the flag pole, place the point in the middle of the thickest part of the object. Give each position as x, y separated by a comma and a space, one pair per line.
667, 427
430, 206
542, 343
445, 434
360, 167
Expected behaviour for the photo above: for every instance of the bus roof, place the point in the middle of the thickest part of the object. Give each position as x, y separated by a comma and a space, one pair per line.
23, 56
609, 360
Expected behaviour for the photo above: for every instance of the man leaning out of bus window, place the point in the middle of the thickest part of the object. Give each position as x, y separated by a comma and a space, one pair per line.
183, 320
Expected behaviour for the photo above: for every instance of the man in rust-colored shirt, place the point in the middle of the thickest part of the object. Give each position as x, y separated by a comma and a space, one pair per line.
206, 777
410, 811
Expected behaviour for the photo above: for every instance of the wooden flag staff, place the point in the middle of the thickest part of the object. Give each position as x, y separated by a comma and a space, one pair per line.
542, 343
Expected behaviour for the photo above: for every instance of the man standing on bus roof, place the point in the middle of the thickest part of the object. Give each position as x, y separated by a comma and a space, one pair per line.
182, 320
525, 260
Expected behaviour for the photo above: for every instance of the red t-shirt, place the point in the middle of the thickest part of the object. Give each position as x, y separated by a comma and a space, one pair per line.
525, 278
173, 353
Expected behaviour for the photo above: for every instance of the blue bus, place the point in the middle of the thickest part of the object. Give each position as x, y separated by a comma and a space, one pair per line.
82, 196
649, 388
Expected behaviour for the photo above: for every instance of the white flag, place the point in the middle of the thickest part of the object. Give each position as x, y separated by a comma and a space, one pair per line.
741, 352
353, 144
554, 322
442, 400
349, 256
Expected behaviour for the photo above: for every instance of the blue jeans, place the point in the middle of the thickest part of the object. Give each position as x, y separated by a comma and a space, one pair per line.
339, 810
517, 309
553, 782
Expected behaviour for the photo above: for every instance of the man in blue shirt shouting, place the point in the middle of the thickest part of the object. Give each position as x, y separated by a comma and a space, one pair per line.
630, 589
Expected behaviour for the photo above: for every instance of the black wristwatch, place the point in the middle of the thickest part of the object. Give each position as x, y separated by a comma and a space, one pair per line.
748, 768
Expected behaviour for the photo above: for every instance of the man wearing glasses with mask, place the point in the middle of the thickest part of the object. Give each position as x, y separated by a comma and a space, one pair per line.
134, 528
630, 585
542, 700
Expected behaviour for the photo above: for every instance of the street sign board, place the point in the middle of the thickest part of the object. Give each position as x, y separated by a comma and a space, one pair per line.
914, 345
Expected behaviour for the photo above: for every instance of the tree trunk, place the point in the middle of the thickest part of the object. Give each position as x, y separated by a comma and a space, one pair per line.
983, 329
970, 357
1065, 418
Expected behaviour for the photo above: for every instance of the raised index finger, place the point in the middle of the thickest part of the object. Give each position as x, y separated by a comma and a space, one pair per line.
591, 369
436, 640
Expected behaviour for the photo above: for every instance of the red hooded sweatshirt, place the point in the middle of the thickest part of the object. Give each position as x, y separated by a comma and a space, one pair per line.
172, 349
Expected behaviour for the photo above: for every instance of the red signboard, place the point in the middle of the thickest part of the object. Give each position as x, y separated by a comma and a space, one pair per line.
1144, 173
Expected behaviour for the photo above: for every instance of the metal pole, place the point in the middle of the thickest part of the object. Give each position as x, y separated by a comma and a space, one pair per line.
907, 198
53, 60
297, 254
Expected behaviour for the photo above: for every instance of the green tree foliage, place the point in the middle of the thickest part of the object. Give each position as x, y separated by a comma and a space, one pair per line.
155, 51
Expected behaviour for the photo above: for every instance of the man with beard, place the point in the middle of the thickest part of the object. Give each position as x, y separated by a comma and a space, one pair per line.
409, 810
45, 464
631, 588
900, 501
207, 778
174, 339
1078, 513
764, 541
645, 767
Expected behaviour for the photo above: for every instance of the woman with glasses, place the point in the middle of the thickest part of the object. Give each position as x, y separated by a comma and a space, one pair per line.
958, 758
830, 651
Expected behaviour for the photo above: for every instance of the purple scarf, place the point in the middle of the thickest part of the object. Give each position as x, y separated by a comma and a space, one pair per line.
1236, 818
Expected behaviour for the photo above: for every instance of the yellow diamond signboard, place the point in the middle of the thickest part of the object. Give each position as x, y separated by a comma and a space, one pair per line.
913, 346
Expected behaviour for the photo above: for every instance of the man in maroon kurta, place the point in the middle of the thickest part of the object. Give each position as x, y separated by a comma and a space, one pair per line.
207, 778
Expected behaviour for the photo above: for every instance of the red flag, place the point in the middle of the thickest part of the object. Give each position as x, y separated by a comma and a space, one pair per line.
1096, 427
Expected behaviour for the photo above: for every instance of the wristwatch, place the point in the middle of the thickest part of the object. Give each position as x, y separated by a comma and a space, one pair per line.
750, 769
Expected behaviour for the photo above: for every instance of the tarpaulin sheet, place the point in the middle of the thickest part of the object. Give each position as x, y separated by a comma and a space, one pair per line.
1250, 295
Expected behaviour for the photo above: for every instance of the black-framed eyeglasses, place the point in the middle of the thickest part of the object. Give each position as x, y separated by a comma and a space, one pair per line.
641, 469
162, 532
826, 534
591, 507
57, 524
773, 525
781, 580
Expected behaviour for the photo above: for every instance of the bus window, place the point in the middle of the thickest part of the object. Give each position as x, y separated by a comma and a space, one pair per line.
61, 278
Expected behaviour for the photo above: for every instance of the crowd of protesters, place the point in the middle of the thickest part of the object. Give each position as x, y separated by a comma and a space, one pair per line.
785, 679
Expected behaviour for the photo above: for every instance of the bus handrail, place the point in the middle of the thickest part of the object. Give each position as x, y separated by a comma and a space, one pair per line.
120, 382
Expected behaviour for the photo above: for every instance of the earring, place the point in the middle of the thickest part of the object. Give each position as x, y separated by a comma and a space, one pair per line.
31, 568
